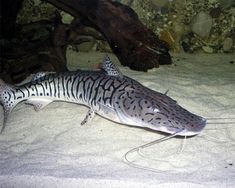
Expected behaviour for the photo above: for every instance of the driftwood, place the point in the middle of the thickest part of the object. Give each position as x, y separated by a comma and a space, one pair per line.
8, 13
134, 44
18, 60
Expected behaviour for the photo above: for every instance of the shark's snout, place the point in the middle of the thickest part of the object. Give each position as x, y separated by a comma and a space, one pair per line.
194, 128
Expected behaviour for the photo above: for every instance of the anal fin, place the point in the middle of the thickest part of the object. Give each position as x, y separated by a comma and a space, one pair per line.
38, 103
89, 116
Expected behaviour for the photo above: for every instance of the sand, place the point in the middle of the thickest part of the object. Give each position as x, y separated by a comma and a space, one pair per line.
49, 148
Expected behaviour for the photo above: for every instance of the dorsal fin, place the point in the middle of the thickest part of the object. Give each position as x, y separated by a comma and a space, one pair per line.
110, 68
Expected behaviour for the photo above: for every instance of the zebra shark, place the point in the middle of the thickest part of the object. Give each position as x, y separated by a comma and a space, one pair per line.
106, 92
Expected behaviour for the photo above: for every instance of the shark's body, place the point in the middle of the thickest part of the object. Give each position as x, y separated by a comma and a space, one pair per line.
107, 93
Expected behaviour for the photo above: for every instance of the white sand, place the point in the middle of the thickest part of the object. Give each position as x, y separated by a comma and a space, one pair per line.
50, 149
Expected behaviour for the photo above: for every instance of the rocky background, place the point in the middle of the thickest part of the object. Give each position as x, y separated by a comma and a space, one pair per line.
188, 26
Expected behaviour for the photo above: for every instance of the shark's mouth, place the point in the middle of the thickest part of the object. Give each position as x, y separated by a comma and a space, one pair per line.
180, 131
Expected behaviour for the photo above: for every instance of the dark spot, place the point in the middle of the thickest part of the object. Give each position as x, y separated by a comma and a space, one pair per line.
231, 164
231, 62
215, 12
40, 94
47, 94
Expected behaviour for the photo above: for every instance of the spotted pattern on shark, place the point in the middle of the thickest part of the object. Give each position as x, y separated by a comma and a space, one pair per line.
106, 92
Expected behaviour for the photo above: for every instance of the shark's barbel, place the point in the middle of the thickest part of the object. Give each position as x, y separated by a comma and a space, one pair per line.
107, 93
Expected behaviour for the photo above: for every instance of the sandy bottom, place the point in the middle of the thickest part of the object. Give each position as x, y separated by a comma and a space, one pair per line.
50, 149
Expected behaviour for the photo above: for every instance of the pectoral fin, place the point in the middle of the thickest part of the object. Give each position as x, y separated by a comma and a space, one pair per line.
89, 116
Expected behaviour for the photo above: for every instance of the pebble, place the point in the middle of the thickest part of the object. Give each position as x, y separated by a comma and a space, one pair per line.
201, 24
207, 49
86, 46
227, 44
160, 3
226, 3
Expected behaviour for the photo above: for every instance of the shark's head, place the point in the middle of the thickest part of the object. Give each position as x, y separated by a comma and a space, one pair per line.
158, 112
139, 106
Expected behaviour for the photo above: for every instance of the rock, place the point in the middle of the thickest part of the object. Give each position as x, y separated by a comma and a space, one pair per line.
186, 47
215, 12
167, 36
86, 46
226, 3
208, 49
227, 44
160, 3
201, 24
232, 11
66, 18
125, 2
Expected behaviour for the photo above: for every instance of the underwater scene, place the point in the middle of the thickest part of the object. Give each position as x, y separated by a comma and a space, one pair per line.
117, 93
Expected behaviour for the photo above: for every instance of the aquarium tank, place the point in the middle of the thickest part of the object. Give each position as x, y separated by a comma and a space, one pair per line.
117, 93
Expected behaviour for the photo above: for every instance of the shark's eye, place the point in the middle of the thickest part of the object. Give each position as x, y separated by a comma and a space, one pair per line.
155, 110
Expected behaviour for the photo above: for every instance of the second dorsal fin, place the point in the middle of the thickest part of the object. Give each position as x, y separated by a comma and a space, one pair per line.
110, 68
40, 75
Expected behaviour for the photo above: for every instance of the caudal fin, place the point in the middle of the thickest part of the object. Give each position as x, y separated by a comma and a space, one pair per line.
7, 101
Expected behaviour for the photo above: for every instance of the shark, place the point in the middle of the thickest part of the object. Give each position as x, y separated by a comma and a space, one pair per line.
108, 93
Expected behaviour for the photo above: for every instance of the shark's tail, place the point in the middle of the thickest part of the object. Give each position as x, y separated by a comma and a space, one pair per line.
7, 101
